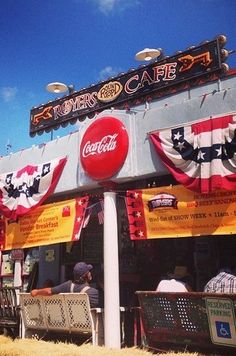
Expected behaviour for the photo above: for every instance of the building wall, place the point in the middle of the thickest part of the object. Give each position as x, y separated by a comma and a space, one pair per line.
200, 102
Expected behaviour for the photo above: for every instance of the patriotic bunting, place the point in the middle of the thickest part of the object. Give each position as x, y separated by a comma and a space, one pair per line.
22, 190
202, 155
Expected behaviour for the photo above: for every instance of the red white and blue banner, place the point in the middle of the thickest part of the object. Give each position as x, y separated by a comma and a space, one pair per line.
27, 188
200, 155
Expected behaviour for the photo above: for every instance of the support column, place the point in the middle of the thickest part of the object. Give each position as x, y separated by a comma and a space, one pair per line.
17, 274
111, 273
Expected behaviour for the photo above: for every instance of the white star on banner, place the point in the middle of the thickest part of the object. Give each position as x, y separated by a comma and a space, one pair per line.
177, 136
218, 150
180, 145
201, 155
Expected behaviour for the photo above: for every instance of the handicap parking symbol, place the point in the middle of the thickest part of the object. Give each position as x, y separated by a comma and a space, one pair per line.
223, 329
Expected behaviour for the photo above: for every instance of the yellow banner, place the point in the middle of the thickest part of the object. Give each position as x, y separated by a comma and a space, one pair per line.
47, 224
175, 211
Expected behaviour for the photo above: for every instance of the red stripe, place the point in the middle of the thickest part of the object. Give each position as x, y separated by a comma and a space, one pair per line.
212, 124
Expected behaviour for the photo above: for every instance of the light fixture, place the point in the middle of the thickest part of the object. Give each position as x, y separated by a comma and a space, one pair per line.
222, 39
147, 54
58, 88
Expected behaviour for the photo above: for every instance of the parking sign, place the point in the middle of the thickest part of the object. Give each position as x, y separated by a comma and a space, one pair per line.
221, 319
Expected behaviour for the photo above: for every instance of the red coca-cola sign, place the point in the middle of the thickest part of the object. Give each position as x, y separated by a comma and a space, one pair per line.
104, 148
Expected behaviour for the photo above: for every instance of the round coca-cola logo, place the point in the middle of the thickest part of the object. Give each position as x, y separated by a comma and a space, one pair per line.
104, 148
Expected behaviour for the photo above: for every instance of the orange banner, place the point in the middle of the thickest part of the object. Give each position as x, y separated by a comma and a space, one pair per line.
47, 224
175, 211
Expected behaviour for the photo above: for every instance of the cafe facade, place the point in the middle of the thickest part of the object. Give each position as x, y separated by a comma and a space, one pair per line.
146, 181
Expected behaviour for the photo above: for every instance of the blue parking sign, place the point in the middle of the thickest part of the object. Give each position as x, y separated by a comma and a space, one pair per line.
223, 329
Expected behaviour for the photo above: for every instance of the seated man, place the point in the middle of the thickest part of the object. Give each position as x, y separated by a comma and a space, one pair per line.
223, 282
178, 281
82, 278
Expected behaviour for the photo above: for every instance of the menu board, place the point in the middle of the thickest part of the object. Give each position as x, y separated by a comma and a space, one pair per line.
93, 247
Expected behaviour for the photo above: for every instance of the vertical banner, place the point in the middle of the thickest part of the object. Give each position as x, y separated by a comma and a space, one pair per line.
47, 224
175, 211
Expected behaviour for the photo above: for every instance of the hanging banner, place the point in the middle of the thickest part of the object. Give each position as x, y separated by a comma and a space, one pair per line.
200, 155
175, 211
27, 188
46, 225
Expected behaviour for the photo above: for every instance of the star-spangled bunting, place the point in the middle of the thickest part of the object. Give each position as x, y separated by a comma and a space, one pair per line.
27, 188
202, 155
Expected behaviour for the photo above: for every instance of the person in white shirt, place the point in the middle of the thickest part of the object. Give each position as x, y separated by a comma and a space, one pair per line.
178, 281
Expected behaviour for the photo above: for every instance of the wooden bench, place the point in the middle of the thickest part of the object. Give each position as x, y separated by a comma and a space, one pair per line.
67, 313
9, 311
194, 321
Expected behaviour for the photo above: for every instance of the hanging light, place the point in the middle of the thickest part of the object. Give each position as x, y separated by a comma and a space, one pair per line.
147, 54
58, 88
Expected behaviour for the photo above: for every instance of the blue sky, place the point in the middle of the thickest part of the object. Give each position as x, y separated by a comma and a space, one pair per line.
83, 41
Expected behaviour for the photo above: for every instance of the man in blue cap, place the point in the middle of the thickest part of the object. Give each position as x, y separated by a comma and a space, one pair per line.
82, 277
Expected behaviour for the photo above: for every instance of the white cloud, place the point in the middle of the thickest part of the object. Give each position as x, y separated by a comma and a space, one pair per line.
108, 6
107, 72
8, 93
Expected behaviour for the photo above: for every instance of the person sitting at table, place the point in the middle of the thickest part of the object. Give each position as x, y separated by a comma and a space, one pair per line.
223, 282
81, 278
178, 281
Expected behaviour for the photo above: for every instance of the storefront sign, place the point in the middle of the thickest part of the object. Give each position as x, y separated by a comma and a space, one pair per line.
47, 224
175, 211
221, 320
168, 72
104, 148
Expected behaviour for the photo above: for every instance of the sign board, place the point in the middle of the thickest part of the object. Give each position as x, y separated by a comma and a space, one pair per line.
221, 319
104, 148
17, 255
175, 211
152, 80
47, 224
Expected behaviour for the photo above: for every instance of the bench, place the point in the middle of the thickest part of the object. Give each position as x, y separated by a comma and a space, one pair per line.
194, 321
9, 311
65, 313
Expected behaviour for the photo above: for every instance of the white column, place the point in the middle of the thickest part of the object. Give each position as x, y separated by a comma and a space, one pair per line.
17, 274
111, 273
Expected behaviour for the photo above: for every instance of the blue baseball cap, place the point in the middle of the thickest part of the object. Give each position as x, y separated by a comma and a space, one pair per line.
81, 268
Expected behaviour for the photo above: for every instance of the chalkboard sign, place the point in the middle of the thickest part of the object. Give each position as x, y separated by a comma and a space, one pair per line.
93, 247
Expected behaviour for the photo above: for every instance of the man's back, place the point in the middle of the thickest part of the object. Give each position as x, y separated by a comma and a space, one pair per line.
171, 285
68, 287
222, 283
